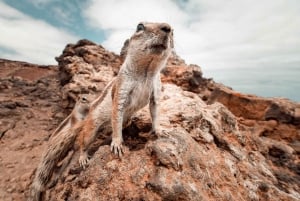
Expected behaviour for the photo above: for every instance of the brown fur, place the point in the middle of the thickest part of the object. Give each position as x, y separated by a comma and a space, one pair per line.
137, 84
46, 167
78, 113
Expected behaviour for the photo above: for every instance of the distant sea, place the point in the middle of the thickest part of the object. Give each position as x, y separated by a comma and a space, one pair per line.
266, 82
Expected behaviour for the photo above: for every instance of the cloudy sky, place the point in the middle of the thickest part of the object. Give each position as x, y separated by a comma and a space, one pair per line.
217, 35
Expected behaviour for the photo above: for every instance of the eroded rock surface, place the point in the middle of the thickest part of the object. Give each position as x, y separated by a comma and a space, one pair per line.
30, 108
213, 143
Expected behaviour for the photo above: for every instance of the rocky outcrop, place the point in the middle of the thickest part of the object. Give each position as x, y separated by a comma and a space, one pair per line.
257, 108
30, 108
213, 143
200, 153
85, 68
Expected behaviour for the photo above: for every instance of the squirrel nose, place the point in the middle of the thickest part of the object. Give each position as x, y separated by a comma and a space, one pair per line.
165, 28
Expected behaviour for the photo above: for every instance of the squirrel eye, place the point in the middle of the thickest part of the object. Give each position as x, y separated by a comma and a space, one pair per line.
140, 27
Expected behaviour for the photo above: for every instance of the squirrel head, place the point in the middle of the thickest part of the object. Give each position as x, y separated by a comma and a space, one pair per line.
149, 39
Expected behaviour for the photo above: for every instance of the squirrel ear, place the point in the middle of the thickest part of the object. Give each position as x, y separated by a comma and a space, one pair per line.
124, 49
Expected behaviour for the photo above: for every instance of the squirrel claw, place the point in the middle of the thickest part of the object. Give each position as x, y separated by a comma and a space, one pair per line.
117, 148
84, 161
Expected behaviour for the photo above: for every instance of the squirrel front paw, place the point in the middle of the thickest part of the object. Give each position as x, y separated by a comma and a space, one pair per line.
84, 160
116, 147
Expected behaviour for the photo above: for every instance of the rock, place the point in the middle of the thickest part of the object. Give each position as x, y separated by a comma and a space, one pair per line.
86, 68
175, 166
213, 143
29, 94
5, 126
257, 108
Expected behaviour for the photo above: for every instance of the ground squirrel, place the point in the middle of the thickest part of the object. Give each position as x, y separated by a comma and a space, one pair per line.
45, 169
137, 84
78, 113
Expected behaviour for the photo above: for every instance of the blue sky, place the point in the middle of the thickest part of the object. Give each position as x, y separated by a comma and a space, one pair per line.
65, 15
218, 35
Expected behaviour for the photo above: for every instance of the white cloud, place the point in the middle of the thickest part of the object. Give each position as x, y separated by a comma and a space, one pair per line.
116, 14
119, 18
213, 34
63, 15
30, 39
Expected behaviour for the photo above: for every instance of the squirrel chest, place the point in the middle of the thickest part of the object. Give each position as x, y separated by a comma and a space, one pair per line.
139, 95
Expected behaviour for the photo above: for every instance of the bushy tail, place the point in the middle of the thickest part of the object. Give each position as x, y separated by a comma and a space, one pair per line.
57, 150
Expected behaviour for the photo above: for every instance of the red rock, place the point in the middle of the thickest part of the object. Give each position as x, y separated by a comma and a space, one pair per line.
213, 143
